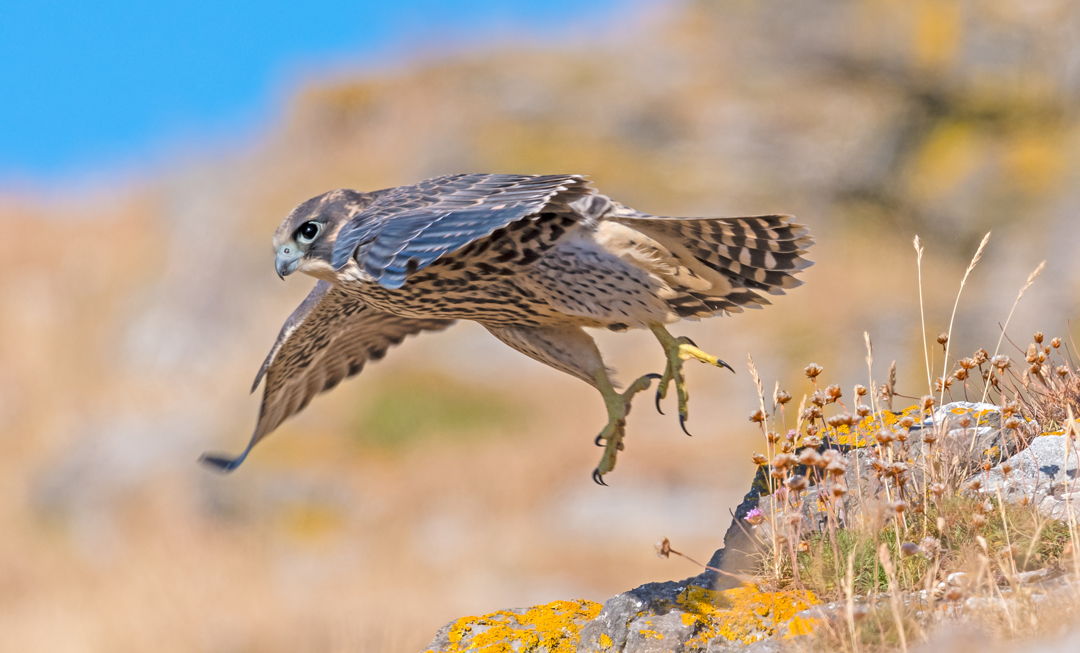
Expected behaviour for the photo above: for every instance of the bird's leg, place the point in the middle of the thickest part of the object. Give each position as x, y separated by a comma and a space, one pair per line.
679, 350
618, 407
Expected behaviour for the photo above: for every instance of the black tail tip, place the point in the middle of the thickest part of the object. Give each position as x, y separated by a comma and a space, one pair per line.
221, 463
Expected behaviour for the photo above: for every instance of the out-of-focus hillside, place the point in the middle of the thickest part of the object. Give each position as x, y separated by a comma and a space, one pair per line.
453, 478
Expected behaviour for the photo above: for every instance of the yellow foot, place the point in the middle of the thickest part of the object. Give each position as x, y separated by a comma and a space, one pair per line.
611, 438
680, 350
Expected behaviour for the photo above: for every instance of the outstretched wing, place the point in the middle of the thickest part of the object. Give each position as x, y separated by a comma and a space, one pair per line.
410, 227
327, 339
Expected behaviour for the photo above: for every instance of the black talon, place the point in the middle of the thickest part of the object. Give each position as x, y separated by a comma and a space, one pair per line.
597, 478
691, 342
722, 363
654, 375
658, 402
682, 423
598, 439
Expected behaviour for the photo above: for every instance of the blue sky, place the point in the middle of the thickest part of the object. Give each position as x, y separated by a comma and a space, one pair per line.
91, 85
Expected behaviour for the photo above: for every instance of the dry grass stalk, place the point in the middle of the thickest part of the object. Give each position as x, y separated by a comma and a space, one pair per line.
952, 319
922, 313
1031, 279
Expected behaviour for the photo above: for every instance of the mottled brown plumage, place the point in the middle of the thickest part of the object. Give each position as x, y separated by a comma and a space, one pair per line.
531, 258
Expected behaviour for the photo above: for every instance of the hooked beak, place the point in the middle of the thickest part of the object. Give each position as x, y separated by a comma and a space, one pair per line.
286, 261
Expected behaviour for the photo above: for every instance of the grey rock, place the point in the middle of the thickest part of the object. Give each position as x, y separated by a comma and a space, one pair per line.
658, 634
1044, 474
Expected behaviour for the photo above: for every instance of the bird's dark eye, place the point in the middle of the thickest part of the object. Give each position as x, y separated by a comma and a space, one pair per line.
308, 231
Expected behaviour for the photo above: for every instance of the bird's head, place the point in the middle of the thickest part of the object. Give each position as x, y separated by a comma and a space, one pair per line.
305, 240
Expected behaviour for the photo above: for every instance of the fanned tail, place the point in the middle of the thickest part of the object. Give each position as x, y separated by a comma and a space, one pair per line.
727, 262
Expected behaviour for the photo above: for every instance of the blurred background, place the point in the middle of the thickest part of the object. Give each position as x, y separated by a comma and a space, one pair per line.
148, 152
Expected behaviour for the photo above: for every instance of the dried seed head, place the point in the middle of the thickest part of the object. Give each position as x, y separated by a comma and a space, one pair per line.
1062, 371
781, 397
804, 547
1042, 357
1001, 361
930, 545
860, 390
930, 437
1006, 468
964, 421
790, 435
783, 460
927, 402
797, 483
899, 506
1055, 343
835, 421
786, 447
834, 392
968, 363
942, 339
907, 421
838, 490
981, 356
902, 436
909, 548
811, 441
978, 520
759, 458
960, 375
1014, 422
937, 489
829, 455
884, 437
986, 466
813, 370
836, 468
1038, 337
863, 410
663, 548
818, 398
758, 416
954, 594
942, 383
975, 484
1032, 354
772, 438
809, 457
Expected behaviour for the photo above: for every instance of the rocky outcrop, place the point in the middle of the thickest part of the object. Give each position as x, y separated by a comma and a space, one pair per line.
718, 610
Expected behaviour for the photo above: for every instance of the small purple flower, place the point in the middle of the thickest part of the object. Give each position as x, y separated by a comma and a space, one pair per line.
754, 517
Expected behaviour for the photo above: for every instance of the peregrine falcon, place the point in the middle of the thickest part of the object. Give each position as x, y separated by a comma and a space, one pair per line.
531, 258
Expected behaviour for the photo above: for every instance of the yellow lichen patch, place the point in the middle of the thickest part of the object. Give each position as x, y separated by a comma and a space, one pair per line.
799, 626
744, 614
856, 436
553, 627
605, 641
651, 634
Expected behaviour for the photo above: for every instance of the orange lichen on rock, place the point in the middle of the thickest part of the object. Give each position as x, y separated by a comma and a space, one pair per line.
554, 627
745, 614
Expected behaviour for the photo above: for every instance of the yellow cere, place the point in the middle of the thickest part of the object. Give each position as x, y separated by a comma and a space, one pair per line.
554, 627
745, 614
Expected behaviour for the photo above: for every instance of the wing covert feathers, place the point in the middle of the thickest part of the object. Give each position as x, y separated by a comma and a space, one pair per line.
327, 339
410, 227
